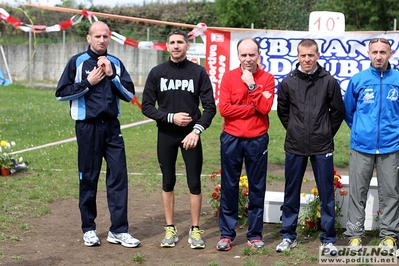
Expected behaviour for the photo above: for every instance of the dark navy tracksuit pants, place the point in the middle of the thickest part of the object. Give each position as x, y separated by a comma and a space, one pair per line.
323, 169
98, 139
234, 151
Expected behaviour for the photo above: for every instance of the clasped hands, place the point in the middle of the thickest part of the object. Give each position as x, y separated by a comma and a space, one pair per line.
102, 69
183, 119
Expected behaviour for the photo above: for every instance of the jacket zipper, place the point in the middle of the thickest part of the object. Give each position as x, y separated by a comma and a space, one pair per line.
379, 115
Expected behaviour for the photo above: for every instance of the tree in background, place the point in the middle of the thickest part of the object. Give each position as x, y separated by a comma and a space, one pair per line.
363, 15
286, 15
272, 14
201, 12
360, 15
239, 13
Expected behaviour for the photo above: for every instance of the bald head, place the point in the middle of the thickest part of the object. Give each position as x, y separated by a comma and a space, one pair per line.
97, 24
98, 37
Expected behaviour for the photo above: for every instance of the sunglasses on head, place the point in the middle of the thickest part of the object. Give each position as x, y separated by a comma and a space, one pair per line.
179, 32
383, 40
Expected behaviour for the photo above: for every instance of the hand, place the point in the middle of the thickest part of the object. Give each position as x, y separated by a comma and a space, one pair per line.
247, 77
190, 141
105, 65
182, 119
95, 76
267, 94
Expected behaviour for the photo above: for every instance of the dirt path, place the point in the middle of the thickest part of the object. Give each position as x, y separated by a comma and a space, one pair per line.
56, 238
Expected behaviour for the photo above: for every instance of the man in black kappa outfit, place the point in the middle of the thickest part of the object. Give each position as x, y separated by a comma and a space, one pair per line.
178, 86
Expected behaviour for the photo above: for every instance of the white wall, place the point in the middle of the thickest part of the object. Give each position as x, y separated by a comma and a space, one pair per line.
45, 62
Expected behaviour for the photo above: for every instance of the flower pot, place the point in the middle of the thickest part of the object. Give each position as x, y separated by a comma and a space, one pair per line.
5, 171
310, 224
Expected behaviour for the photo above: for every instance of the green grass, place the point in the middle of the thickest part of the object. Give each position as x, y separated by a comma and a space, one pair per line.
33, 117
300, 254
138, 258
251, 262
274, 178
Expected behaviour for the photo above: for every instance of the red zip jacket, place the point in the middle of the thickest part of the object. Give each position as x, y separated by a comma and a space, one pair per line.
245, 112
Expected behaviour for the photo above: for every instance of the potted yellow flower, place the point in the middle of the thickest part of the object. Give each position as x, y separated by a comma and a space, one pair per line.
309, 215
8, 164
5, 159
242, 197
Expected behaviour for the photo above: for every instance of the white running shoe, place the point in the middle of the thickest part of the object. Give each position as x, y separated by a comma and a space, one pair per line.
286, 244
91, 239
125, 239
329, 248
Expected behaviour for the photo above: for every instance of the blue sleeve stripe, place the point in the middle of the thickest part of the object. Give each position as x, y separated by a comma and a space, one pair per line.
116, 80
78, 109
122, 89
78, 78
73, 97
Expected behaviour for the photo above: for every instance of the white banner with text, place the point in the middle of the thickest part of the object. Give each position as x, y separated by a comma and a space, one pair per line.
342, 55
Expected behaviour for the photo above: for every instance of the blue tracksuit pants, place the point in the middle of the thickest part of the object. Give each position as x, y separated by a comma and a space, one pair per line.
234, 151
323, 169
98, 139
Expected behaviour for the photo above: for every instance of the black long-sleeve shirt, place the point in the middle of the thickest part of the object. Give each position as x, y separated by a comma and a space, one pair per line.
179, 87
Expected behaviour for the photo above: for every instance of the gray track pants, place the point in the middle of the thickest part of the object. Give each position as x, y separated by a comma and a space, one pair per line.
361, 168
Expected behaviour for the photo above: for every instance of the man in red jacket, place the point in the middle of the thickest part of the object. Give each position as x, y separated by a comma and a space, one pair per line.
246, 98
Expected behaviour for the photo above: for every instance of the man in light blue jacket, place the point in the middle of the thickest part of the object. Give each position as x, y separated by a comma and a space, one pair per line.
372, 114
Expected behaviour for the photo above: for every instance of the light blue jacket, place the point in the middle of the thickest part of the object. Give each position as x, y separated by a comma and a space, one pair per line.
372, 111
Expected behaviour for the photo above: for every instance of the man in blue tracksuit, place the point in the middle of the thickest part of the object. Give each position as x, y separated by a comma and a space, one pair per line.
372, 113
93, 82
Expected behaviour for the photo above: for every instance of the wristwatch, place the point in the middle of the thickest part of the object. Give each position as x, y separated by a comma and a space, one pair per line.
197, 131
251, 87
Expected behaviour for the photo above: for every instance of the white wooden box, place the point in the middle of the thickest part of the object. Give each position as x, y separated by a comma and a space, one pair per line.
273, 203
274, 200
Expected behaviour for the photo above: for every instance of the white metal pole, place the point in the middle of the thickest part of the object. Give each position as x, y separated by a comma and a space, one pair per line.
30, 63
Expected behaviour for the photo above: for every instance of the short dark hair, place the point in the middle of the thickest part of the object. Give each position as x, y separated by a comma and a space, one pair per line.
178, 32
253, 39
308, 43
